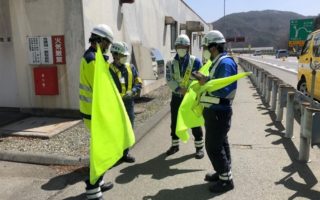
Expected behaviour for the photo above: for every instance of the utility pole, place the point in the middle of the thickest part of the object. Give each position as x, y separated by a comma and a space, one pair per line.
224, 8
224, 17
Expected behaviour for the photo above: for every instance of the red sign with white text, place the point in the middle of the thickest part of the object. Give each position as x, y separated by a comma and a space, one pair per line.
59, 52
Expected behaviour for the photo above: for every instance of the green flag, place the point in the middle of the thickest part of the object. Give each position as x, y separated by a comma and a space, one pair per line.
111, 130
190, 110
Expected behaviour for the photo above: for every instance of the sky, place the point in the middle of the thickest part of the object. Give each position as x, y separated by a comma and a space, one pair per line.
212, 10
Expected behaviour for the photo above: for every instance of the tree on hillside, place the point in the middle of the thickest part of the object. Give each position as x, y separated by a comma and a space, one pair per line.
317, 23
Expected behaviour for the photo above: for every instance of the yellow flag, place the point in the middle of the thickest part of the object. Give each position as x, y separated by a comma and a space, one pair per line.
111, 130
190, 111
187, 118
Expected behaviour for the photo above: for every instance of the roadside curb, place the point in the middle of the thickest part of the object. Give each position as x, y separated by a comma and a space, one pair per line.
42, 158
55, 159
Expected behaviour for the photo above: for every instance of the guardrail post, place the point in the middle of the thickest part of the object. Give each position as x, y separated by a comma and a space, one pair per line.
290, 115
256, 76
282, 100
253, 77
269, 88
274, 94
304, 148
265, 89
279, 108
315, 139
262, 83
259, 80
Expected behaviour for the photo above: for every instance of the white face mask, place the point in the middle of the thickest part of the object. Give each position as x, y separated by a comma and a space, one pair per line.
181, 52
123, 60
206, 54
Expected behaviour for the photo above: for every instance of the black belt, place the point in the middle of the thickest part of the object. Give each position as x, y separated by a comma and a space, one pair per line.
177, 95
224, 101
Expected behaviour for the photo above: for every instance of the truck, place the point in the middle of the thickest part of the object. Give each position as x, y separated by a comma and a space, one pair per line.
308, 60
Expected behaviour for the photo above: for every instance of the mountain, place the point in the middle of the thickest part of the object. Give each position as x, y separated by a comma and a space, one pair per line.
268, 28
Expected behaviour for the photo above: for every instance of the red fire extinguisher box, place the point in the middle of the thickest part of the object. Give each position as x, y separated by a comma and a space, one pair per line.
46, 80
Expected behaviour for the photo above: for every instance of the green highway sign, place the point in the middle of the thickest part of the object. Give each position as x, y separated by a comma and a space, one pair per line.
300, 29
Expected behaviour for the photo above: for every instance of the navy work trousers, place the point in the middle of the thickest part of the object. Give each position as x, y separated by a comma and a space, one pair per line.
175, 104
129, 104
217, 124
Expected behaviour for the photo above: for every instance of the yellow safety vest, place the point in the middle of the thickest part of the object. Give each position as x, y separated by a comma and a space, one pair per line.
122, 79
86, 80
86, 87
185, 81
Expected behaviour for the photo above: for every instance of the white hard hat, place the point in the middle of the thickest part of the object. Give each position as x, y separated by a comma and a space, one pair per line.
120, 47
213, 36
104, 31
182, 40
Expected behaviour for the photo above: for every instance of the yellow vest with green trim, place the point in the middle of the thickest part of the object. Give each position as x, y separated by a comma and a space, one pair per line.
185, 80
86, 87
121, 78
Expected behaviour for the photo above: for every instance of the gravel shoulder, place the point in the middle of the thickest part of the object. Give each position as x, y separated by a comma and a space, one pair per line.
75, 141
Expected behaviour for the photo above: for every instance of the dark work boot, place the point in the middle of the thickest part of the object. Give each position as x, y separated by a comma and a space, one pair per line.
172, 150
199, 148
211, 177
93, 192
199, 153
105, 186
221, 186
128, 158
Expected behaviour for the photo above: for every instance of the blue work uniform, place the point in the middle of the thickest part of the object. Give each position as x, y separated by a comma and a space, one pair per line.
217, 114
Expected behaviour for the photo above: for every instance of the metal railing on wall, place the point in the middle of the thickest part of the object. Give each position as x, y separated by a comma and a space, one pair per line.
278, 95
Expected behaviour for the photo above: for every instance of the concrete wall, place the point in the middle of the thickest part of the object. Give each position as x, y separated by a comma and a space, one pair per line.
8, 80
141, 22
46, 18
141, 25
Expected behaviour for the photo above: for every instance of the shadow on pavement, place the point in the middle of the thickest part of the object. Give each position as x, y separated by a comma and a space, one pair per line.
79, 197
303, 170
198, 192
62, 181
158, 167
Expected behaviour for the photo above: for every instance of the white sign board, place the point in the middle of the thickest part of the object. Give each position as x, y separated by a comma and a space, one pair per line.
34, 50
46, 50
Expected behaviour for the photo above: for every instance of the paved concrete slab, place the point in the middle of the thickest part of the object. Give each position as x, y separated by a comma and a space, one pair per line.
44, 127
264, 165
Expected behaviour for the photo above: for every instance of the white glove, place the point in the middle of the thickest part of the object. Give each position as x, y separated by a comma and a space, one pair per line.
128, 95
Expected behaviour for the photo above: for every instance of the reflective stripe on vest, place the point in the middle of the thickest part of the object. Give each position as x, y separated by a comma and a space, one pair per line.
216, 64
206, 99
177, 75
122, 79
85, 88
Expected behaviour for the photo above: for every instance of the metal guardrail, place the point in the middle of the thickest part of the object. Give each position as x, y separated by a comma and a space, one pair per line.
297, 106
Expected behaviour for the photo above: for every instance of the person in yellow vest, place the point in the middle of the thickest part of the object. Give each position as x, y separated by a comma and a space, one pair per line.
128, 82
101, 35
178, 76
